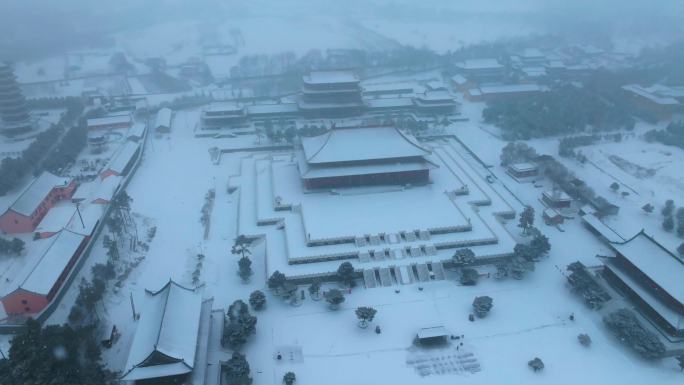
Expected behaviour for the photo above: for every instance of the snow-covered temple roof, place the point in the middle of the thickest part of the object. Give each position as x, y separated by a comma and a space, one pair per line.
165, 341
361, 143
656, 262
330, 77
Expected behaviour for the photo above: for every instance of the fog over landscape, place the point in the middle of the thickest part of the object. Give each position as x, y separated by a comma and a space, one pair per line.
400, 192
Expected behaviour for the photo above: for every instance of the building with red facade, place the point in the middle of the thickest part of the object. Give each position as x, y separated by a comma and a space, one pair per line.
42, 274
358, 156
34, 202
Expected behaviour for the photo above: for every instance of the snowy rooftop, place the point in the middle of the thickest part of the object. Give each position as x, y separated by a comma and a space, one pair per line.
361, 143
56, 218
168, 327
520, 167
658, 263
39, 276
437, 95
223, 107
556, 195
122, 157
479, 64
389, 102
137, 130
432, 332
651, 93
85, 223
33, 195
97, 189
328, 77
395, 87
163, 118
272, 108
511, 88
107, 120
459, 79
532, 53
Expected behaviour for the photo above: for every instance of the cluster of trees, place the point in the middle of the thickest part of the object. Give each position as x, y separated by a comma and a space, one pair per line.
67, 150
517, 152
12, 170
673, 217
285, 133
624, 324
56, 354
564, 109
567, 145
90, 293
583, 284
672, 135
238, 325
287, 63
573, 186
15, 246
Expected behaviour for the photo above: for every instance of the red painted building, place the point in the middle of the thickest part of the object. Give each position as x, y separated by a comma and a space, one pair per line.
42, 274
358, 156
34, 202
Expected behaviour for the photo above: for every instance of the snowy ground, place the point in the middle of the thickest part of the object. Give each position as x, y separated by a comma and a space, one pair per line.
529, 317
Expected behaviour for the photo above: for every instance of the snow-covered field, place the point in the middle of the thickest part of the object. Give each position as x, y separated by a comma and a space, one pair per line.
530, 317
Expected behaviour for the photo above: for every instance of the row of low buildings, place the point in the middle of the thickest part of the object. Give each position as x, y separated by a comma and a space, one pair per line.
332, 94
62, 215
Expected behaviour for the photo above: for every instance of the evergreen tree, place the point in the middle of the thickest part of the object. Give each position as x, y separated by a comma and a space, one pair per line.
276, 280
668, 224
614, 186
56, 354
289, 378
584, 339
245, 268
526, 219
463, 256
668, 209
315, 288
365, 315
648, 208
334, 297
346, 273
680, 249
237, 370
482, 306
536, 364
241, 246
257, 299
469, 276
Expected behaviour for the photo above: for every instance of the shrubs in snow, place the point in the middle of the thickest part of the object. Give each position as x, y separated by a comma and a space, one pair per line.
536, 364
365, 315
583, 284
289, 378
238, 325
346, 273
469, 276
334, 297
584, 339
237, 370
624, 324
482, 306
257, 299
